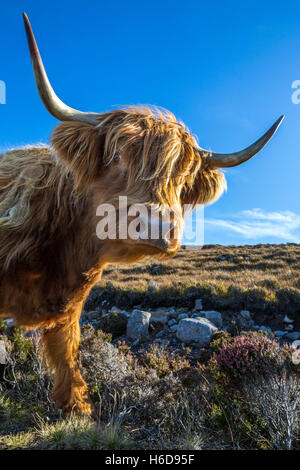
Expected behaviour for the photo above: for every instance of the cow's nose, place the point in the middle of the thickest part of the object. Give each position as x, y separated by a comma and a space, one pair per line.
159, 233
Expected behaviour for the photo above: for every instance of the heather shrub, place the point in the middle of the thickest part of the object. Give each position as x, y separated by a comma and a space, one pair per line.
164, 360
252, 353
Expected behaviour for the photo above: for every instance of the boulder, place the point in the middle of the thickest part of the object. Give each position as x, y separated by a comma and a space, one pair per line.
138, 325
214, 317
195, 330
245, 314
293, 335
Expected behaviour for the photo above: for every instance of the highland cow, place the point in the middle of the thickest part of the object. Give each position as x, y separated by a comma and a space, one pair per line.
49, 253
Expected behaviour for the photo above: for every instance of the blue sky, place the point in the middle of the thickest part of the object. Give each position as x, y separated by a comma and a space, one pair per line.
225, 68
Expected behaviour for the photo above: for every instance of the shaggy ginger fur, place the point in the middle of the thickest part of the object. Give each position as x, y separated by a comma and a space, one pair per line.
50, 256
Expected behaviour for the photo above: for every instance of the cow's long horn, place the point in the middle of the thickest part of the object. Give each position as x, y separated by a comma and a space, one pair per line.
224, 160
54, 105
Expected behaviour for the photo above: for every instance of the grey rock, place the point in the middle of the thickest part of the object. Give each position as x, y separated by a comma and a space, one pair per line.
152, 285
214, 317
174, 328
280, 333
287, 320
170, 311
3, 353
289, 327
245, 314
180, 310
198, 304
195, 330
138, 325
172, 322
181, 316
159, 316
163, 342
126, 313
293, 335
115, 309
93, 315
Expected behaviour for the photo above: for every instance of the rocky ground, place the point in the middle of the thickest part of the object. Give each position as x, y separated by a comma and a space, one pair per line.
195, 352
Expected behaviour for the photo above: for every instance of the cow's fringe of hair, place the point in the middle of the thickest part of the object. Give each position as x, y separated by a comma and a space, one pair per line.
162, 155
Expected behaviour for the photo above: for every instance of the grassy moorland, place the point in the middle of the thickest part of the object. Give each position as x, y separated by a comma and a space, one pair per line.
241, 392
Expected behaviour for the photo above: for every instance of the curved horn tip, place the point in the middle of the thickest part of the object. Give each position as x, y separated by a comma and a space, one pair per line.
233, 159
279, 121
53, 104
25, 19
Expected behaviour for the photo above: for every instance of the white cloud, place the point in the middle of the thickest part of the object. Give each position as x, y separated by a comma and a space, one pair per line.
256, 223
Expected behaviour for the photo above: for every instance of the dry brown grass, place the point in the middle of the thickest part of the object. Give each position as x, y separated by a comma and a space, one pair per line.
268, 266
262, 278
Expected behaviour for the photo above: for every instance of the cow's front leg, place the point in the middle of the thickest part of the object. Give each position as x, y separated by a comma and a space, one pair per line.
61, 346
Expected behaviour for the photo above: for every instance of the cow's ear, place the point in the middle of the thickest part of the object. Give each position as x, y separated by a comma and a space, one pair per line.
80, 146
207, 187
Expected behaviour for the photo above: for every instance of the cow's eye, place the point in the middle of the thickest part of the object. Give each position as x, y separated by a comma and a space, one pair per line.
116, 157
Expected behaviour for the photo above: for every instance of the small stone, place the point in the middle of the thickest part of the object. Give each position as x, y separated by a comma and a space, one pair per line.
280, 333
115, 309
293, 336
163, 342
3, 353
289, 327
138, 325
170, 312
181, 310
181, 316
125, 313
159, 316
198, 304
93, 315
172, 322
198, 330
174, 327
214, 317
245, 314
152, 285
287, 320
